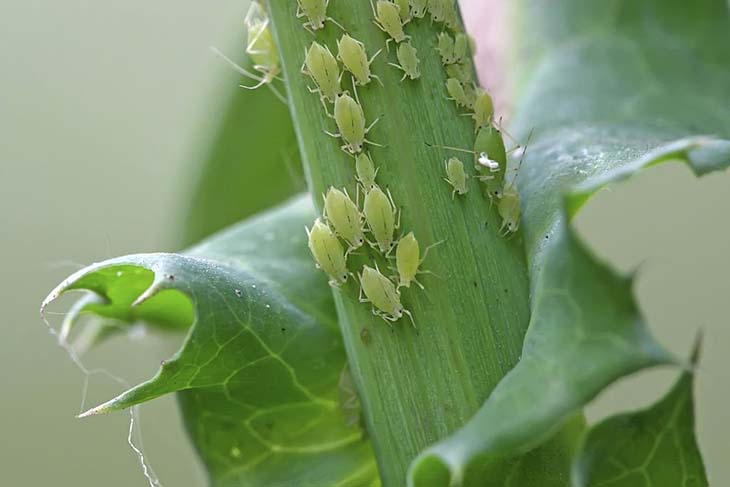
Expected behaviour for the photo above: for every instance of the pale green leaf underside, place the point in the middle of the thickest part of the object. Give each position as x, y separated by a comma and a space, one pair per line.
258, 373
612, 87
650, 448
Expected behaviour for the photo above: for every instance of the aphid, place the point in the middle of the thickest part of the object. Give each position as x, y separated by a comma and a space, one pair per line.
350, 120
456, 176
366, 171
405, 10
316, 13
509, 209
460, 71
470, 94
457, 93
418, 8
436, 9
382, 294
509, 206
446, 48
387, 18
450, 16
353, 56
321, 65
380, 215
328, 253
408, 260
346, 219
483, 109
261, 48
461, 47
409, 62
491, 157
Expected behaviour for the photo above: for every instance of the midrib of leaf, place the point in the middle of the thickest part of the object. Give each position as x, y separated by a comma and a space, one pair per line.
415, 388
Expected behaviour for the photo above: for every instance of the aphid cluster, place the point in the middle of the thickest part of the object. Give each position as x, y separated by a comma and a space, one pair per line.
455, 49
343, 221
346, 226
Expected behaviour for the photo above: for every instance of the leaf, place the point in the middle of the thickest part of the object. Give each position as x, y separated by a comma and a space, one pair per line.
605, 98
649, 448
258, 373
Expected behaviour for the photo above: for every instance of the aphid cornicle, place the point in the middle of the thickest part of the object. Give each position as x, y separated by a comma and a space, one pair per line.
456, 176
316, 13
483, 109
328, 253
387, 18
457, 93
353, 56
509, 209
445, 48
366, 171
342, 213
380, 215
409, 62
350, 120
382, 294
321, 66
408, 260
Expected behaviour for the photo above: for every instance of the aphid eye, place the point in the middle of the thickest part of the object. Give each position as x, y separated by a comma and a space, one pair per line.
344, 277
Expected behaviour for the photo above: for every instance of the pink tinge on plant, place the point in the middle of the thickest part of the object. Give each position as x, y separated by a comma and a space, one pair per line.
484, 21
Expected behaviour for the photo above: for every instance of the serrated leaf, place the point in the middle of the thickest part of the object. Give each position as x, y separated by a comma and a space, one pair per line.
649, 448
258, 373
606, 94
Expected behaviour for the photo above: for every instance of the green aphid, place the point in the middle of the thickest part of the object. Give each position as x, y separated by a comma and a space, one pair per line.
383, 295
316, 13
457, 93
350, 120
445, 48
419, 8
342, 213
509, 208
461, 47
483, 109
408, 260
456, 176
409, 62
380, 215
328, 253
366, 171
353, 56
322, 67
460, 71
491, 158
405, 10
387, 18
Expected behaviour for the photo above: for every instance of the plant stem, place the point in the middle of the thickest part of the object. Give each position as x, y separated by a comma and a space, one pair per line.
416, 387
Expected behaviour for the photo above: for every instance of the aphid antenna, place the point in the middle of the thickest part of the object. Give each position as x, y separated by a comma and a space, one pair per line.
427, 249
261, 80
522, 158
447, 147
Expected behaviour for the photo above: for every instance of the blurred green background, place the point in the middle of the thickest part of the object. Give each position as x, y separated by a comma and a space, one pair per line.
106, 109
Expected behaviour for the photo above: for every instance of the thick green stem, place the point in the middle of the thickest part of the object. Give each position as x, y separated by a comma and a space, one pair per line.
415, 387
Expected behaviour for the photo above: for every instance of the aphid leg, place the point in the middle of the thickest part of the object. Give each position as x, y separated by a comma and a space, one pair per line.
372, 124
375, 76
336, 136
336, 23
427, 249
238, 68
408, 313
